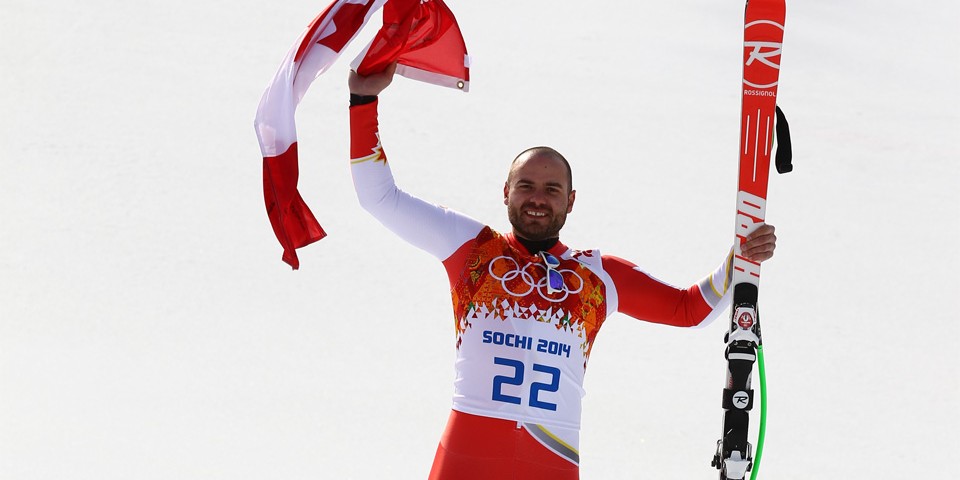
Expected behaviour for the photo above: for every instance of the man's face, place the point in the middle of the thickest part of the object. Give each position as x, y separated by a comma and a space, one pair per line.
538, 196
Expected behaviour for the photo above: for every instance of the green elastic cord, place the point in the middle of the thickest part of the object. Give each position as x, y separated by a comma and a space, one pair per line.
763, 412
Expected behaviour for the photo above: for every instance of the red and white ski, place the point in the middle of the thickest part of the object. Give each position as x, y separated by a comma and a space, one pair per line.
762, 44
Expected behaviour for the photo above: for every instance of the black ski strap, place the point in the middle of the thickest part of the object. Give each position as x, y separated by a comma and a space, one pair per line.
784, 157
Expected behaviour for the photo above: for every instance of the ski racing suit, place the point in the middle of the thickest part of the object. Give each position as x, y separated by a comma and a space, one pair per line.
522, 348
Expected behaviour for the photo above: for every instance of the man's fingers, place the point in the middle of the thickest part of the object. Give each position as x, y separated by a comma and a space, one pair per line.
762, 230
760, 244
755, 241
764, 250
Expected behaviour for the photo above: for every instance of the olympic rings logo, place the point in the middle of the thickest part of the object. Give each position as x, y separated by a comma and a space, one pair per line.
528, 279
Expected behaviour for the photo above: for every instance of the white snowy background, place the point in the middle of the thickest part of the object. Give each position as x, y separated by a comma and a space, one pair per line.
149, 330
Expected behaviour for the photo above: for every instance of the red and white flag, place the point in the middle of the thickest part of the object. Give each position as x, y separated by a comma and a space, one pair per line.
422, 36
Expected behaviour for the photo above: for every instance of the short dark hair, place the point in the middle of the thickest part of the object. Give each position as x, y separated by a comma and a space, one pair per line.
543, 150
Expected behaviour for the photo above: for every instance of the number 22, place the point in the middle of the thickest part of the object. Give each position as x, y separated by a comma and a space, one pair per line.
517, 379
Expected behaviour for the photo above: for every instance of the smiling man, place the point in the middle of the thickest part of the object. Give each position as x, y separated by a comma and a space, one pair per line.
527, 308
537, 199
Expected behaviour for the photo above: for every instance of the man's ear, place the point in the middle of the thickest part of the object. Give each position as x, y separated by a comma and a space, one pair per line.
570, 199
506, 192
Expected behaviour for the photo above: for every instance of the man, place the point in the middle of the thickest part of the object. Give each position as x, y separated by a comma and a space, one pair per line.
527, 307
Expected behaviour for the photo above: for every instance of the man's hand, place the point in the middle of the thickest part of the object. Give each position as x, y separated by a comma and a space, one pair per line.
372, 84
760, 244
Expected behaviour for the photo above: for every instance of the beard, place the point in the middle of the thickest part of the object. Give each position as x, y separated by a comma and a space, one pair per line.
536, 231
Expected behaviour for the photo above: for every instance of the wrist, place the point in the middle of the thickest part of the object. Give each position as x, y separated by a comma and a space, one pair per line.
361, 99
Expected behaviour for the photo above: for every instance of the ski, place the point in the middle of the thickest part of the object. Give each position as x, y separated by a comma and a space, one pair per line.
759, 126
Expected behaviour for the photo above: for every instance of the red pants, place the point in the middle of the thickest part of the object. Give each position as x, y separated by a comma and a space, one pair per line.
482, 448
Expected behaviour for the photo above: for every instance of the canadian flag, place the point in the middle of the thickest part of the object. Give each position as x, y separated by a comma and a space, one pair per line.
422, 36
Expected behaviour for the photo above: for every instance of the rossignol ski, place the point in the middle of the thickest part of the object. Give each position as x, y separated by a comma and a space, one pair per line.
760, 120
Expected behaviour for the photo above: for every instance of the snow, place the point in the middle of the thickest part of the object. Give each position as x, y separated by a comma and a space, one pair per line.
149, 330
